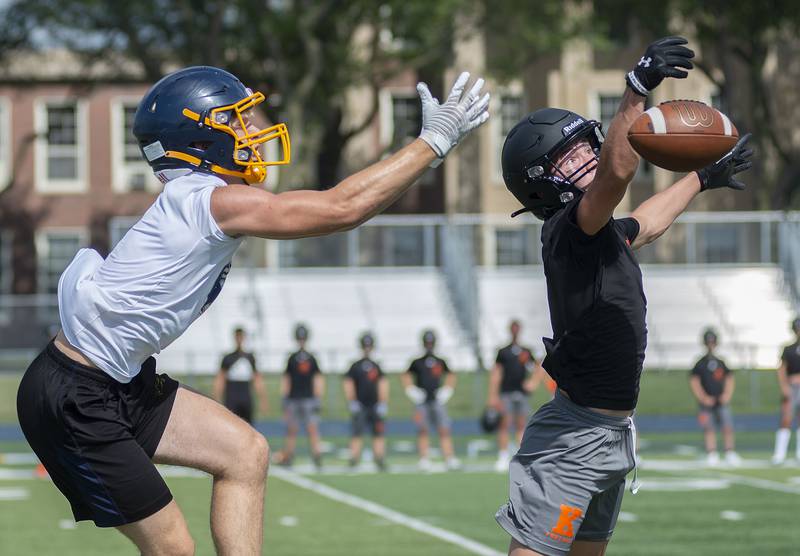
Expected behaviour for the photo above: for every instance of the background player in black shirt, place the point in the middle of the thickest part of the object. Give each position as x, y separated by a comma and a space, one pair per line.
302, 388
712, 384
429, 384
515, 374
789, 382
367, 392
568, 477
232, 383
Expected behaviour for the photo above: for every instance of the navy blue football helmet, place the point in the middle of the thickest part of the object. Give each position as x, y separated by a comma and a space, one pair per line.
530, 152
198, 118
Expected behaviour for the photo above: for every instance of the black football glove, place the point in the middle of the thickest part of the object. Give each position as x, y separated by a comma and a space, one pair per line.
722, 172
661, 59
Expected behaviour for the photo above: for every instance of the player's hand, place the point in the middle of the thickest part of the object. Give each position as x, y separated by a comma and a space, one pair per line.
444, 394
722, 173
415, 394
661, 59
444, 125
355, 407
382, 409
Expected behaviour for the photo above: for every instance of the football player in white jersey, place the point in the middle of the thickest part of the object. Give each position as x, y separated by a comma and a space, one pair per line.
91, 404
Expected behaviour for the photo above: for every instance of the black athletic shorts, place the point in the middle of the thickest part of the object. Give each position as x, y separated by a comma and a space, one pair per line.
96, 436
238, 399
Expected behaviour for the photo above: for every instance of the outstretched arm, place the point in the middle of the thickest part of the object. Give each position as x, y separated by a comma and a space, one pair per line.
241, 210
617, 166
657, 214
618, 161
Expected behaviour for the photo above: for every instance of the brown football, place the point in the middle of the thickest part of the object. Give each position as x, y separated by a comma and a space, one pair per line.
682, 135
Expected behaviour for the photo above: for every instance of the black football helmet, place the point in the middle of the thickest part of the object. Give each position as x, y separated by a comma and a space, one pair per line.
529, 155
367, 340
490, 420
301, 332
709, 335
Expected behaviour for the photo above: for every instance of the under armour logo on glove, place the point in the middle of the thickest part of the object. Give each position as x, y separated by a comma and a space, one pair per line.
667, 57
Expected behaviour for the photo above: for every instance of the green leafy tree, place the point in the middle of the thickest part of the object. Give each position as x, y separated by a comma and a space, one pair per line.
303, 54
751, 51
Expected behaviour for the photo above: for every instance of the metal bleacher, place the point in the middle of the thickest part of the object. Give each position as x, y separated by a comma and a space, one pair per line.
337, 305
748, 306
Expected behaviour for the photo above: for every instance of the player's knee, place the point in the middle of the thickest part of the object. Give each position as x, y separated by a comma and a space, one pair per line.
177, 541
252, 458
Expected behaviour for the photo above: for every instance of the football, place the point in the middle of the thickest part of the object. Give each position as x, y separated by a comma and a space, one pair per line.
682, 135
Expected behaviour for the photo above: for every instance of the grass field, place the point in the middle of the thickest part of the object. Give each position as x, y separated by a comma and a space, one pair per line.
682, 509
662, 393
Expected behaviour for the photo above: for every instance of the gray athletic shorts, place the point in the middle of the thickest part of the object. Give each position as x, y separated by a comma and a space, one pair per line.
720, 414
302, 411
794, 398
567, 480
432, 415
515, 403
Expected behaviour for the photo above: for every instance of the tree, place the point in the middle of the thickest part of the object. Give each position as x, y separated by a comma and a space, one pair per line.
750, 50
303, 54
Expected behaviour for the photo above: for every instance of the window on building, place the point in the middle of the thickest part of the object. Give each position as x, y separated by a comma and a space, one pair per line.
118, 226
608, 108
5, 143
56, 250
62, 143
60, 147
512, 109
131, 171
5, 262
719, 243
516, 246
406, 119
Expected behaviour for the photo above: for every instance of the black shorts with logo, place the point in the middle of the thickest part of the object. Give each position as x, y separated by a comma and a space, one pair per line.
239, 400
96, 436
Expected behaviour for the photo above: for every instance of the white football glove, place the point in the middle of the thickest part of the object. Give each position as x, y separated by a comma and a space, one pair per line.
355, 406
444, 125
381, 408
444, 394
415, 394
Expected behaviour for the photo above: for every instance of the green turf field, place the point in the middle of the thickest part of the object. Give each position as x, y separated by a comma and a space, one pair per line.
682, 509
662, 393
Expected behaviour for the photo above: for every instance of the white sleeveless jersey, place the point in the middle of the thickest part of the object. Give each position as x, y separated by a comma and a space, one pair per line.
164, 273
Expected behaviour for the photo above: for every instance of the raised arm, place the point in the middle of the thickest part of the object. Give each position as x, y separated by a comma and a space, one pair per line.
657, 214
618, 161
241, 210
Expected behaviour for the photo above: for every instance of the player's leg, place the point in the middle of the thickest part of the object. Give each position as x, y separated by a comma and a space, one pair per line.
204, 435
164, 532
290, 415
377, 426
357, 425
423, 441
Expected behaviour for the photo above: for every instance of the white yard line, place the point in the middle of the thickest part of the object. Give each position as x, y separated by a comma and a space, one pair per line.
766, 484
382, 511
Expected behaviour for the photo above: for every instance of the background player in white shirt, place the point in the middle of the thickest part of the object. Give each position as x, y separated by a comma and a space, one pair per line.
91, 404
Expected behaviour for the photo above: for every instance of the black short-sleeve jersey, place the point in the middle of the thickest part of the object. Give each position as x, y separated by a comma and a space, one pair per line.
517, 363
239, 366
712, 372
366, 375
301, 368
597, 310
791, 357
428, 371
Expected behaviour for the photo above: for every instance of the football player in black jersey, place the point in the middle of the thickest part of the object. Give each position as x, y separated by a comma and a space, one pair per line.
302, 388
712, 384
367, 392
789, 382
429, 384
232, 383
568, 477
515, 374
